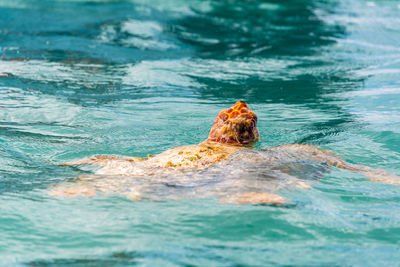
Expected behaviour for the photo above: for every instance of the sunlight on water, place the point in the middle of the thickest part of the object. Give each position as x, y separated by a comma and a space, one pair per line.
80, 78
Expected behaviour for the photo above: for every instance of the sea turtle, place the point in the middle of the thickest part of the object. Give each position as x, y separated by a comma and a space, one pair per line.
231, 138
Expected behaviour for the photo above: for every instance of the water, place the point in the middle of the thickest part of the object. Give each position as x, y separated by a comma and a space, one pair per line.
80, 78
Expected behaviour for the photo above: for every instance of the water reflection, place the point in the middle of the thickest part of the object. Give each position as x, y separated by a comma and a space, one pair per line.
257, 28
225, 37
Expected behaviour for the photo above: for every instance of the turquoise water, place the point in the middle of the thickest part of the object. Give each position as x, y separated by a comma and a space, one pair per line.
79, 78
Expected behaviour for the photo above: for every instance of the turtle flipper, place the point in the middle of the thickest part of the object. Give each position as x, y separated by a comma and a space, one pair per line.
376, 175
101, 160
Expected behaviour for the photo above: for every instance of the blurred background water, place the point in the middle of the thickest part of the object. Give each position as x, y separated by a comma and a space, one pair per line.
135, 77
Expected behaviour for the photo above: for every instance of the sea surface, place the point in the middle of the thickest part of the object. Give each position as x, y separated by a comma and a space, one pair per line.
135, 77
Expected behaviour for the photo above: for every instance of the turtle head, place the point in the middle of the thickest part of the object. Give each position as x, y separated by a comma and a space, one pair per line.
236, 125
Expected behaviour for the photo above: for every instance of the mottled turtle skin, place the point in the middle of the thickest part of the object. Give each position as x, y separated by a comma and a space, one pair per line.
234, 129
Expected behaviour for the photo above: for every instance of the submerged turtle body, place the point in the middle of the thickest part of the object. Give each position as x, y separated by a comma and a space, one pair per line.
228, 148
